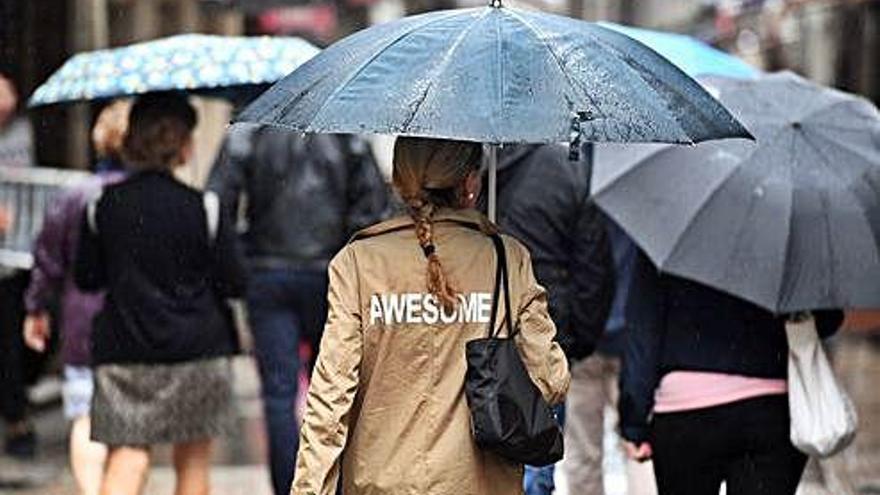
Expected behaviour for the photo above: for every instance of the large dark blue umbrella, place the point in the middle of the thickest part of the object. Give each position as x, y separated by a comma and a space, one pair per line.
790, 222
495, 75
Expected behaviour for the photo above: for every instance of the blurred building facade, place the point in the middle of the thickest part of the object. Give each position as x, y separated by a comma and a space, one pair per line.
834, 42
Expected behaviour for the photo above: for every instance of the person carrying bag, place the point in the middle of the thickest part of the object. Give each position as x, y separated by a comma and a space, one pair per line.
823, 418
387, 409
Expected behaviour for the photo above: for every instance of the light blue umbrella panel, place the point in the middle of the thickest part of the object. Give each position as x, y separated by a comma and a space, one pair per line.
691, 55
213, 65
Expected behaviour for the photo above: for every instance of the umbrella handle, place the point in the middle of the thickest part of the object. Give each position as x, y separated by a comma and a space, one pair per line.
492, 165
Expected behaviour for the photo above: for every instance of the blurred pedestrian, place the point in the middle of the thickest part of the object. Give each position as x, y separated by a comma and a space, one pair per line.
16, 137
594, 390
704, 391
386, 407
543, 201
18, 366
305, 197
161, 344
5, 220
52, 276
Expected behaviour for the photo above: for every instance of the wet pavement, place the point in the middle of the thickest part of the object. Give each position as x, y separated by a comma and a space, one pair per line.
240, 459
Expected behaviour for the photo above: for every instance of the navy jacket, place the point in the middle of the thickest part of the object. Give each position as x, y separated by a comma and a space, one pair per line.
166, 280
676, 324
306, 196
543, 201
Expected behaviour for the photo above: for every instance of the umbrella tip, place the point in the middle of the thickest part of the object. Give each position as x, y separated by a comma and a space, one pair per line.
495, 3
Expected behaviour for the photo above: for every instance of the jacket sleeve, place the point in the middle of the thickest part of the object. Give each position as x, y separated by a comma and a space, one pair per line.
333, 386
640, 364
541, 354
368, 194
228, 175
50, 254
230, 274
592, 279
89, 269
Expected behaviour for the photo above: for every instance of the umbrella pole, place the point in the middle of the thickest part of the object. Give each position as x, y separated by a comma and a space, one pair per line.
492, 159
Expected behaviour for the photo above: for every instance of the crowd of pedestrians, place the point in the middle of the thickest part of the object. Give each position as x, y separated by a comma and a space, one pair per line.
385, 291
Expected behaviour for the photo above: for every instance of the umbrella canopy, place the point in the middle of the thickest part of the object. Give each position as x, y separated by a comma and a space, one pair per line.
790, 222
190, 62
495, 75
691, 55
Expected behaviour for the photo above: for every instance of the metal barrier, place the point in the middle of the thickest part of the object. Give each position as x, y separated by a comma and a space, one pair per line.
25, 193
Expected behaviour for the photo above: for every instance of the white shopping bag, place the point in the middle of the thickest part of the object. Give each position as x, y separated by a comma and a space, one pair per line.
823, 419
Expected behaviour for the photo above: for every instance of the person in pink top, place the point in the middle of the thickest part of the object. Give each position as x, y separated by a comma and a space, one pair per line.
704, 391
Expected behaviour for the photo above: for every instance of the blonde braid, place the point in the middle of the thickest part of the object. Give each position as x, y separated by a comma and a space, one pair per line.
438, 284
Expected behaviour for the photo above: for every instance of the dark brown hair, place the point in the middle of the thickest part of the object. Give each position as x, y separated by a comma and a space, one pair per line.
159, 126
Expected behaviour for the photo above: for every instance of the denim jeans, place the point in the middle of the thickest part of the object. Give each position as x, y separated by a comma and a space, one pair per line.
284, 306
539, 480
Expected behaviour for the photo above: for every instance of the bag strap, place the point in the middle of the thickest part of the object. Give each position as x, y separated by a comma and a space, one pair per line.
501, 280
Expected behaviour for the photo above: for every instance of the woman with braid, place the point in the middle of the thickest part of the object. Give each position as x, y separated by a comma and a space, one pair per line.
386, 411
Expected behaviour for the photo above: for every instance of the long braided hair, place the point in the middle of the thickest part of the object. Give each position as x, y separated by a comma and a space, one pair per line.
429, 174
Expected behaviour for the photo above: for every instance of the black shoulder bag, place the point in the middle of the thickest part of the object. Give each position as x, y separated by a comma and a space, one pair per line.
509, 416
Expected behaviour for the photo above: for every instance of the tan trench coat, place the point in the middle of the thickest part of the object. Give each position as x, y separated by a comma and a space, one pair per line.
386, 406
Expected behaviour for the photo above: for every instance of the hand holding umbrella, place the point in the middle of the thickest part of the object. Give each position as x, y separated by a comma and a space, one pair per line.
495, 75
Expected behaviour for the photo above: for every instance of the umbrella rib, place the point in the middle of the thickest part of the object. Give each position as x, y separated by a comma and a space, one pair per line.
441, 67
690, 223
539, 34
385, 48
825, 160
782, 278
835, 144
851, 100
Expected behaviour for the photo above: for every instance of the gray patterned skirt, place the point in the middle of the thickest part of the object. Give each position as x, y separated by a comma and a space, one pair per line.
148, 404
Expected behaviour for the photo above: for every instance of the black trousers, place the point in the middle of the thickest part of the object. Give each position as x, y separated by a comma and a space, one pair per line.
19, 366
745, 444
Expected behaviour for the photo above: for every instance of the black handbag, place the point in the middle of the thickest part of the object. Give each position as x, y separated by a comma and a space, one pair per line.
509, 416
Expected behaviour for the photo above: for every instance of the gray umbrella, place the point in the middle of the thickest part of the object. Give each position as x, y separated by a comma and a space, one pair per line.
790, 222
495, 75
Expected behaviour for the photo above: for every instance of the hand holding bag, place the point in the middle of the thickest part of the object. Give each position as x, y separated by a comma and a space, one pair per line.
509, 416
823, 419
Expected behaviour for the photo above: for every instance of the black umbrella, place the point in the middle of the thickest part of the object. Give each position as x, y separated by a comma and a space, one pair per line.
790, 222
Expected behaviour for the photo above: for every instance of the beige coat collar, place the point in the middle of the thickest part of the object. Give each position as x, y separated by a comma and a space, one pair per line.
467, 217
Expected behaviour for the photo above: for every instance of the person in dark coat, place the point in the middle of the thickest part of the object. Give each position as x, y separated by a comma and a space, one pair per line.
306, 196
161, 343
543, 201
704, 389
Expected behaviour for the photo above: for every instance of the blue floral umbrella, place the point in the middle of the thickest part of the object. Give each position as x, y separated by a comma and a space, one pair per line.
205, 64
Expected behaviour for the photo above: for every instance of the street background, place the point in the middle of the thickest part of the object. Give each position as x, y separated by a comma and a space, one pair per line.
834, 42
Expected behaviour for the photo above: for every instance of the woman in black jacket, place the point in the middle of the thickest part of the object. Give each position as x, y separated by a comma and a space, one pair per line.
704, 390
161, 344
